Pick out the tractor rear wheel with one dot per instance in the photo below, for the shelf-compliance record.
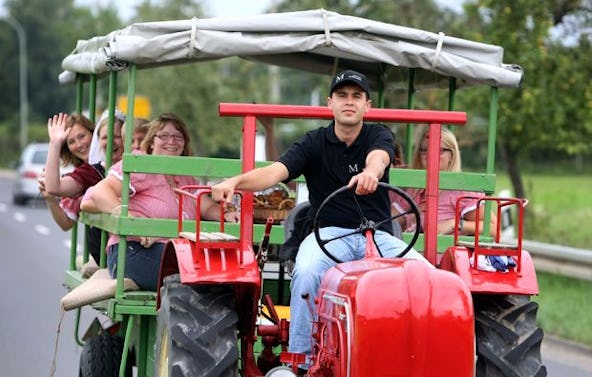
(101, 356)
(508, 339)
(196, 330)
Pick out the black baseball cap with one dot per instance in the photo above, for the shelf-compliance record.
(350, 76)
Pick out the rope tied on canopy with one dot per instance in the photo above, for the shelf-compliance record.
(194, 21)
(441, 36)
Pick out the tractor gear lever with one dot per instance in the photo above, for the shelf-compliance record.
(264, 245)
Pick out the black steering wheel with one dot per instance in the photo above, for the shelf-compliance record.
(365, 223)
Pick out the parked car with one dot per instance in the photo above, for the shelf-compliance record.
(28, 168)
(30, 165)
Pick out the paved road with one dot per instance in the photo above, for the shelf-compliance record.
(35, 255)
(566, 359)
(31, 275)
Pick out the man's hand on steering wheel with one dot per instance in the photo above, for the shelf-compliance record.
(365, 183)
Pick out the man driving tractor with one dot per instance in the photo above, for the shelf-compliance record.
(346, 152)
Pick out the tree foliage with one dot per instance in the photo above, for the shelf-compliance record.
(548, 111)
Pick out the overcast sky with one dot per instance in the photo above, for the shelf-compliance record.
(215, 8)
(219, 8)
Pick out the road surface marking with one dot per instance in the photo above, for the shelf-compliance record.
(20, 217)
(42, 229)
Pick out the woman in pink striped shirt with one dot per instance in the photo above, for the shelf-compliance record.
(151, 195)
(449, 161)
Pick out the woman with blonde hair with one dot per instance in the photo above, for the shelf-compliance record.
(449, 161)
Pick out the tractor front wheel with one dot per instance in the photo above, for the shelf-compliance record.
(101, 356)
(196, 330)
(508, 339)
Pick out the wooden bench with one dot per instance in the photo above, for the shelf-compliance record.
(487, 245)
(209, 236)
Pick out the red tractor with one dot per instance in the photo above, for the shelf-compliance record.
(373, 317)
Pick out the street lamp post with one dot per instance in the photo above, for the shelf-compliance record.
(22, 39)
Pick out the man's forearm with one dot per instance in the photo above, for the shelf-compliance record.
(261, 179)
(377, 162)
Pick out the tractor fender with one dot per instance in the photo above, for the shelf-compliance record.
(221, 268)
(457, 260)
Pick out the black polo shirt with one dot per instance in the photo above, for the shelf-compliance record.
(328, 164)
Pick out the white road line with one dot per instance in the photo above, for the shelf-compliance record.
(20, 217)
(42, 229)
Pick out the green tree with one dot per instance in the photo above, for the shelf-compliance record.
(52, 28)
(548, 111)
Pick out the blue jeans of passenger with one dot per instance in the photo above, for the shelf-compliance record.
(312, 263)
(142, 264)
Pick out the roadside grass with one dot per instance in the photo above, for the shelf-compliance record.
(559, 212)
(565, 305)
(559, 209)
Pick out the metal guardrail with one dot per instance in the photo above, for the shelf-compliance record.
(561, 260)
(556, 259)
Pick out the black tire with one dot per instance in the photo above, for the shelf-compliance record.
(197, 334)
(507, 336)
(101, 356)
(19, 200)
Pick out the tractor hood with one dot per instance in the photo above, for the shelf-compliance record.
(403, 314)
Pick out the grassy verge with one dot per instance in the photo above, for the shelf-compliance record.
(565, 305)
(559, 209)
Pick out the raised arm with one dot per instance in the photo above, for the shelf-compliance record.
(54, 184)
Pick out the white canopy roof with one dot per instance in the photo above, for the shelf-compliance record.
(317, 41)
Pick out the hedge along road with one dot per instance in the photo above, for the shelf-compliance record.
(31, 276)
